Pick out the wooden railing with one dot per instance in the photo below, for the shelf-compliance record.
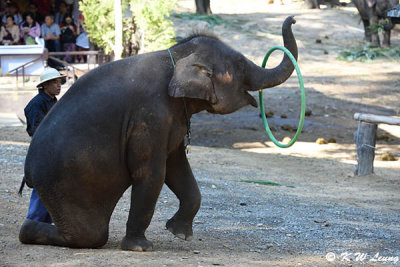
(94, 58)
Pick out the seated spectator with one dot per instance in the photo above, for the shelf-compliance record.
(51, 34)
(62, 12)
(43, 7)
(68, 35)
(82, 41)
(29, 29)
(12, 10)
(33, 9)
(9, 34)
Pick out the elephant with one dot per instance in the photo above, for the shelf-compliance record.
(123, 125)
(371, 11)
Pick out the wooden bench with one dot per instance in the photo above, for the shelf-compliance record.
(365, 139)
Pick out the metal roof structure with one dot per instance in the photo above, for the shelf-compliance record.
(394, 14)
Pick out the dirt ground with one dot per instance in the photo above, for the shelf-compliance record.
(318, 214)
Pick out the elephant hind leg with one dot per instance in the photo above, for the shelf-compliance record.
(34, 232)
(75, 227)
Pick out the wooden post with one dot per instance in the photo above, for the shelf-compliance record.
(365, 139)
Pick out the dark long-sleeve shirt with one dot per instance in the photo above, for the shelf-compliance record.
(37, 109)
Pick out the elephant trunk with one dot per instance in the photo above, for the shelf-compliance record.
(261, 78)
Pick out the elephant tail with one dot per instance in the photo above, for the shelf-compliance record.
(21, 188)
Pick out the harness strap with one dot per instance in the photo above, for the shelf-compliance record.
(188, 132)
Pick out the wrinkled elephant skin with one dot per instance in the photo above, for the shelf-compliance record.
(123, 124)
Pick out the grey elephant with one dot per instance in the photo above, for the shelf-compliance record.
(371, 12)
(123, 124)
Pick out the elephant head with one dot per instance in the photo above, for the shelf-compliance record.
(209, 70)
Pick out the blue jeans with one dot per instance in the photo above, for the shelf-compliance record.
(37, 211)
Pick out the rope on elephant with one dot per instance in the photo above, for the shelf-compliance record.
(302, 95)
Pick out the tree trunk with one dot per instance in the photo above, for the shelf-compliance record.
(203, 7)
(311, 4)
(118, 29)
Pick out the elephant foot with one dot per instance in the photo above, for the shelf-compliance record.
(28, 232)
(136, 244)
(180, 229)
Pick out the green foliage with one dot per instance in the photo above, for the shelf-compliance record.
(210, 19)
(99, 22)
(367, 54)
(149, 18)
(262, 182)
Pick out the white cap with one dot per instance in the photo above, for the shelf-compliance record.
(49, 74)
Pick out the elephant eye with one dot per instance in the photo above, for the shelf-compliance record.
(204, 70)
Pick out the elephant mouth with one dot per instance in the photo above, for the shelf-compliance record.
(251, 100)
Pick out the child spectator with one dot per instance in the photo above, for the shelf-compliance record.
(82, 41)
(29, 29)
(9, 34)
(12, 10)
(68, 35)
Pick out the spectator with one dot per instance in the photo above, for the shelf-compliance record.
(35, 111)
(51, 35)
(9, 34)
(62, 11)
(12, 10)
(68, 35)
(29, 29)
(82, 41)
(43, 7)
(33, 9)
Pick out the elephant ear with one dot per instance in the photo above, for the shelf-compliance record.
(371, 3)
(192, 79)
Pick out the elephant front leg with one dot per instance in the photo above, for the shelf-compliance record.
(374, 21)
(144, 196)
(367, 30)
(181, 181)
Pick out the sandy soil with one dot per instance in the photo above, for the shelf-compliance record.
(318, 206)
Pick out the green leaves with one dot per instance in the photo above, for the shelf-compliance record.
(150, 23)
(367, 54)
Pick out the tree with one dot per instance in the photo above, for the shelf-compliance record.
(311, 4)
(147, 29)
(118, 29)
(203, 7)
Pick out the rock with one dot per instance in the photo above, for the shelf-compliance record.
(288, 128)
(326, 52)
(388, 157)
(321, 141)
(318, 41)
(382, 137)
(332, 140)
(283, 116)
(269, 114)
(308, 112)
(196, 251)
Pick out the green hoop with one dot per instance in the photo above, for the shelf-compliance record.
(303, 99)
